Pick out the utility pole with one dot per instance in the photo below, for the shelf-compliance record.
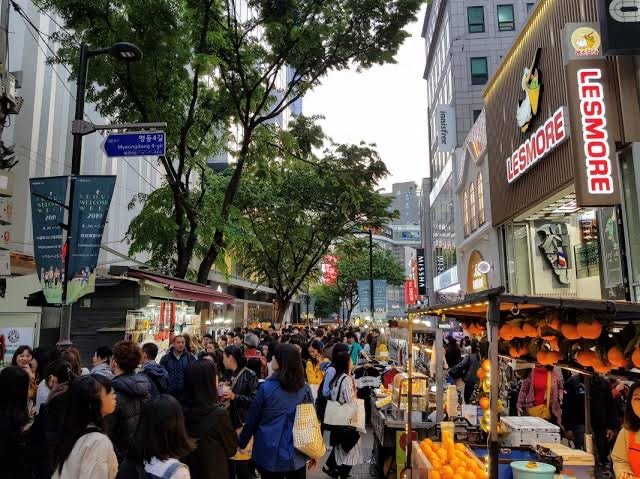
(9, 102)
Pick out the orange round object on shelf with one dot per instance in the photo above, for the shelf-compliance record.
(590, 330)
(530, 330)
(635, 358)
(615, 355)
(570, 331)
(485, 403)
(486, 365)
(433, 474)
(587, 358)
(481, 373)
(506, 332)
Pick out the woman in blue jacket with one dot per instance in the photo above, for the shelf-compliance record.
(271, 417)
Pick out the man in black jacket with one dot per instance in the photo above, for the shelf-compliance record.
(603, 415)
(132, 391)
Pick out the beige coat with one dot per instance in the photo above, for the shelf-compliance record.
(620, 453)
(92, 457)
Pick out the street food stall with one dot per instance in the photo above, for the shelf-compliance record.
(587, 336)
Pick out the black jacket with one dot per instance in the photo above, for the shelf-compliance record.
(216, 441)
(244, 388)
(132, 391)
(158, 378)
(15, 453)
(603, 413)
(45, 431)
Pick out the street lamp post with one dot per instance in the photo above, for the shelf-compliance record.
(122, 51)
(371, 269)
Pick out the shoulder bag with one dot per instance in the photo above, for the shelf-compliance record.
(307, 436)
(542, 411)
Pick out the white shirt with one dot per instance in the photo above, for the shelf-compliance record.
(92, 457)
(42, 394)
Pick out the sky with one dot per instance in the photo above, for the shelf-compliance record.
(385, 105)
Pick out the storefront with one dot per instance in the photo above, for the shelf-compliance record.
(477, 239)
(559, 136)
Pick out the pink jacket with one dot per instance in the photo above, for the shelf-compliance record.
(526, 398)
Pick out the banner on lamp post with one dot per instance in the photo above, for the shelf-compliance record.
(91, 200)
(48, 197)
(410, 292)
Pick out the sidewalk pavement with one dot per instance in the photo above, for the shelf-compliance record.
(361, 471)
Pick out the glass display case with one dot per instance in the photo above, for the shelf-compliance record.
(419, 391)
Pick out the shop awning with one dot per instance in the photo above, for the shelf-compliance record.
(180, 288)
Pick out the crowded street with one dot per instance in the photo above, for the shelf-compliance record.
(309, 239)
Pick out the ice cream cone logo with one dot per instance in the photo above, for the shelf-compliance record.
(531, 85)
(586, 41)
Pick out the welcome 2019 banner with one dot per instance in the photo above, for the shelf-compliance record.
(48, 197)
(90, 206)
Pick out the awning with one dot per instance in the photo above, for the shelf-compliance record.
(180, 288)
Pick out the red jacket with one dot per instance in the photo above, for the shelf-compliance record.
(254, 353)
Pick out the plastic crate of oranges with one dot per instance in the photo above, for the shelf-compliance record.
(448, 460)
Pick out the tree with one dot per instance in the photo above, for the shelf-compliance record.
(299, 204)
(328, 301)
(353, 266)
(210, 64)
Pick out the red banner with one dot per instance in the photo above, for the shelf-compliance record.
(410, 292)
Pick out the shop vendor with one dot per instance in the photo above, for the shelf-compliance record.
(626, 452)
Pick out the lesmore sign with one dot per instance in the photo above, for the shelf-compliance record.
(592, 125)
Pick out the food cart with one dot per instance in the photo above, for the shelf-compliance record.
(589, 336)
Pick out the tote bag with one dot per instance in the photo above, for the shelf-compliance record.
(346, 414)
(307, 436)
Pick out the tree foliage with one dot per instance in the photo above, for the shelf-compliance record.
(353, 266)
(298, 205)
(212, 67)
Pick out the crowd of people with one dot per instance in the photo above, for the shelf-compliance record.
(207, 409)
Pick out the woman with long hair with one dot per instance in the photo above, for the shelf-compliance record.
(626, 451)
(15, 455)
(43, 356)
(238, 395)
(345, 441)
(208, 423)
(159, 442)
(272, 415)
(315, 365)
(23, 358)
(84, 450)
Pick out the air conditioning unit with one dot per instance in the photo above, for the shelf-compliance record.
(8, 91)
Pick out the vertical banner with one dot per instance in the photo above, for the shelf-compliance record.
(410, 293)
(446, 128)
(364, 298)
(91, 200)
(48, 197)
(421, 267)
(380, 299)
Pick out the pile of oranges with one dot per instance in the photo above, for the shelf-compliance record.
(451, 461)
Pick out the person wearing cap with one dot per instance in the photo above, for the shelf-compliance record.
(255, 360)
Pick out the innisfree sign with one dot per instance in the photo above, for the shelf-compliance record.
(136, 143)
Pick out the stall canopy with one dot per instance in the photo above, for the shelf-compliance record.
(179, 288)
(496, 307)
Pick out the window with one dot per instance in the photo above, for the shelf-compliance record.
(472, 206)
(479, 71)
(465, 212)
(475, 16)
(506, 20)
(480, 190)
(476, 114)
(530, 6)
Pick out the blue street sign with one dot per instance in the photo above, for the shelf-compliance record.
(139, 143)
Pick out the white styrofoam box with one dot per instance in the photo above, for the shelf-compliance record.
(527, 431)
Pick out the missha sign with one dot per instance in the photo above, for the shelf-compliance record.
(551, 134)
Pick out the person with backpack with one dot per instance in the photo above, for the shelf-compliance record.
(84, 450)
(158, 444)
(157, 375)
(208, 423)
(133, 391)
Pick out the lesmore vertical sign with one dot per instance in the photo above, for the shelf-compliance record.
(593, 110)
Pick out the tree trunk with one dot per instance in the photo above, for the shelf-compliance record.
(280, 307)
(229, 196)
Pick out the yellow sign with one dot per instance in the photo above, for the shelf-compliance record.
(586, 41)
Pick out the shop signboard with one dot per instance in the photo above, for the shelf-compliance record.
(48, 199)
(410, 292)
(620, 24)
(594, 125)
(446, 126)
(364, 298)
(477, 279)
(330, 269)
(422, 271)
(91, 200)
